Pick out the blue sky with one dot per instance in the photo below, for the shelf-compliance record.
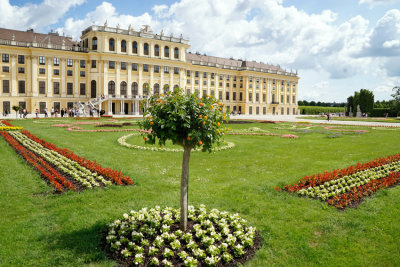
(337, 46)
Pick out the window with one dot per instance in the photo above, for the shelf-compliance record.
(123, 65)
(145, 68)
(294, 90)
(134, 47)
(94, 43)
(6, 86)
(188, 92)
(70, 88)
(273, 81)
(257, 80)
(188, 81)
(123, 46)
(56, 88)
(156, 51)
(220, 95)
(42, 71)
(234, 85)
(257, 110)
(251, 78)
(294, 100)
(82, 89)
(212, 92)
(156, 89)
(264, 97)
(111, 64)
(234, 78)
(264, 111)
(221, 77)
(156, 68)
(83, 63)
(146, 49)
(205, 75)
(240, 96)
(42, 87)
(176, 53)
(134, 89)
(82, 73)
(42, 60)
(257, 97)
(111, 45)
(6, 69)
(56, 72)
(265, 80)
(281, 98)
(227, 77)
(111, 88)
(196, 82)
(282, 111)
(5, 58)
(212, 76)
(166, 88)
(204, 82)
(93, 64)
(294, 111)
(166, 69)
(212, 83)
(273, 88)
(287, 99)
(176, 70)
(56, 61)
(273, 100)
(196, 74)
(250, 96)
(204, 93)
(283, 82)
(250, 110)
(188, 73)
(21, 59)
(234, 96)
(6, 106)
(264, 87)
(166, 51)
(69, 72)
(21, 70)
(21, 87)
(250, 86)
(134, 66)
(22, 104)
(146, 89)
(69, 62)
(227, 95)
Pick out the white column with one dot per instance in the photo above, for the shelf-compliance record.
(129, 86)
(151, 77)
(50, 74)
(118, 79)
(28, 89)
(105, 79)
(76, 78)
(13, 82)
(63, 70)
(140, 84)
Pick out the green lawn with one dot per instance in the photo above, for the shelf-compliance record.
(395, 120)
(39, 228)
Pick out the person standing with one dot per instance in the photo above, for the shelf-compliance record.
(45, 113)
(37, 113)
(62, 112)
(52, 111)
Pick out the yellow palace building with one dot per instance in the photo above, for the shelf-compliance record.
(114, 69)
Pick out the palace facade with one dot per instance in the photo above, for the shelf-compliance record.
(117, 68)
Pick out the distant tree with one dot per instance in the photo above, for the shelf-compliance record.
(396, 96)
(16, 109)
(350, 103)
(312, 103)
(366, 101)
(300, 103)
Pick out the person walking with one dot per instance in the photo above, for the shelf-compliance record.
(52, 111)
(37, 113)
(62, 112)
(45, 113)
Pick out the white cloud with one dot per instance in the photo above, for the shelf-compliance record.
(374, 3)
(391, 44)
(37, 16)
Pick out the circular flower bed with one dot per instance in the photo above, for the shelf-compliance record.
(151, 237)
(122, 142)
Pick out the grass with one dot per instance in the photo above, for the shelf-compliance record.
(39, 228)
(368, 119)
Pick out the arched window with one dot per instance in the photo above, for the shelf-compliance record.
(156, 89)
(123, 46)
(94, 43)
(111, 44)
(134, 89)
(156, 51)
(123, 89)
(166, 51)
(176, 52)
(111, 88)
(145, 89)
(134, 47)
(166, 88)
(146, 49)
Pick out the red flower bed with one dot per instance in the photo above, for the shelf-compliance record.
(358, 193)
(7, 123)
(320, 178)
(58, 181)
(116, 176)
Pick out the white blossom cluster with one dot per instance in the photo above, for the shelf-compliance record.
(152, 237)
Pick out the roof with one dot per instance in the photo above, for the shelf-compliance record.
(33, 37)
(236, 63)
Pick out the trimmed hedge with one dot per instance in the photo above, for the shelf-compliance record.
(315, 110)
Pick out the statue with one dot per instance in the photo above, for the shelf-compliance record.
(105, 23)
(358, 111)
(351, 112)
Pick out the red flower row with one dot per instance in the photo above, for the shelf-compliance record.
(116, 176)
(320, 178)
(57, 180)
(7, 123)
(356, 194)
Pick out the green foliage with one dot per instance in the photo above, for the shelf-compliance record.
(16, 108)
(185, 120)
(314, 110)
(364, 98)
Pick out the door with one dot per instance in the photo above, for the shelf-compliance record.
(113, 108)
(126, 108)
(93, 90)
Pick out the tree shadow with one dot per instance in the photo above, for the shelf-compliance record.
(84, 245)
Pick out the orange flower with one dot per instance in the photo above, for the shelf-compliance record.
(207, 95)
(219, 132)
(201, 104)
(144, 138)
(200, 143)
(218, 124)
(159, 100)
(204, 123)
(200, 116)
(188, 138)
(219, 103)
(205, 117)
(151, 123)
(162, 94)
(149, 117)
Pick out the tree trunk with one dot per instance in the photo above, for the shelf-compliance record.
(184, 186)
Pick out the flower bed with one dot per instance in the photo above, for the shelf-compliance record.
(60, 167)
(346, 187)
(151, 237)
(122, 142)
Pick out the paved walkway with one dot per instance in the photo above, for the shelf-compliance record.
(288, 118)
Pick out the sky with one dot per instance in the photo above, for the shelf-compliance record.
(336, 46)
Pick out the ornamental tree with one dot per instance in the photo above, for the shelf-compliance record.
(16, 109)
(188, 121)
